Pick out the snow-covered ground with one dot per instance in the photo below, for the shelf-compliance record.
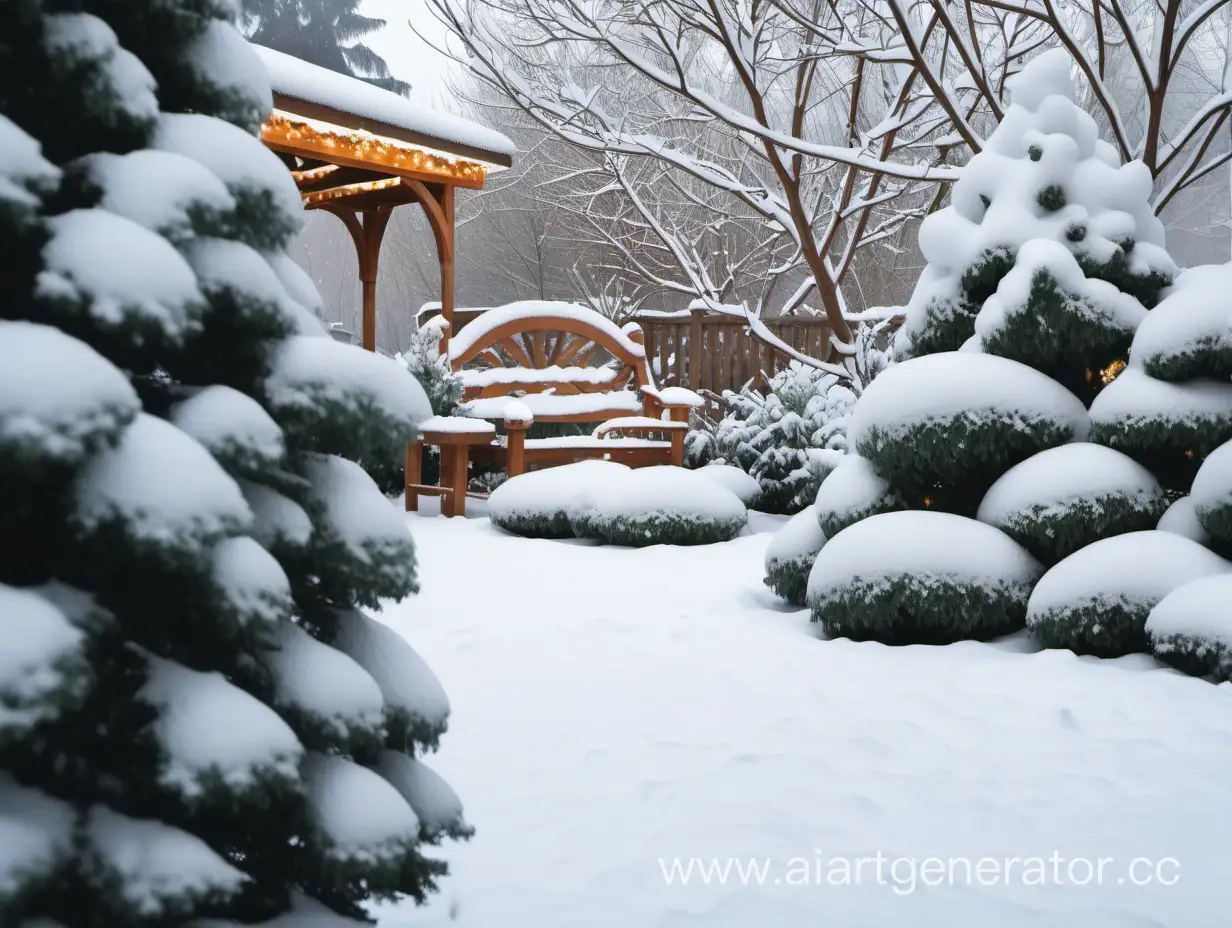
(617, 709)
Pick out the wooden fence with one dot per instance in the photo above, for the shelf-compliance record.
(728, 356)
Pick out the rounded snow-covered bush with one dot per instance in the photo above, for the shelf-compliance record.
(537, 504)
(1169, 427)
(1181, 518)
(733, 478)
(661, 505)
(790, 556)
(853, 491)
(960, 419)
(1096, 601)
(1191, 628)
(1212, 494)
(1062, 499)
(1189, 334)
(921, 578)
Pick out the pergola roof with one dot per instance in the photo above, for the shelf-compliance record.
(319, 95)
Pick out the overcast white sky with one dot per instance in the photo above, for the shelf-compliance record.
(410, 59)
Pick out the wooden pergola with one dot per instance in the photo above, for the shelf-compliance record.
(359, 152)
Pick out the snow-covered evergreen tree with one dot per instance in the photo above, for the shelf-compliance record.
(1040, 272)
(196, 719)
(788, 438)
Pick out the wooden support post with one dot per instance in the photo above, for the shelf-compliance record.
(437, 201)
(695, 349)
(367, 234)
(677, 437)
(454, 475)
(413, 474)
(515, 450)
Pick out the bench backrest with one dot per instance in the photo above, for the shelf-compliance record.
(539, 347)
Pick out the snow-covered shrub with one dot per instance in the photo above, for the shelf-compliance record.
(1182, 519)
(538, 504)
(958, 420)
(853, 491)
(1062, 499)
(733, 478)
(790, 556)
(424, 361)
(1043, 176)
(1097, 600)
(1212, 496)
(660, 505)
(921, 578)
(1191, 628)
(195, 723)
(788, 439)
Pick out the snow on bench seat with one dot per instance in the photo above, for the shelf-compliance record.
(639, 422)
(554, 374)
(475, 330)
(457, 425)
(588, 441)
(547, 405)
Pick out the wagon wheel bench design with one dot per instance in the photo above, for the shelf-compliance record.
(541, 362)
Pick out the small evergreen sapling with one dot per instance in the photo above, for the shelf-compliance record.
(199, 722)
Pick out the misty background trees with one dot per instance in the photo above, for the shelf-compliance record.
(774, 153)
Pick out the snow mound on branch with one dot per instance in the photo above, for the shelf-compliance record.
(212, 730)
(408, 685)
(155, 867)
(1137, 568)
(82, 37)
(299, 287)
(223, 57)
(853, 491)
(59, 398)
(233, 426)
(357, 812)
(734, 479)
(952, 383)
(305, 912)
(277, 520)
(158, 190)
(1199, 609)
(1212, 485)
(1135, 400)
(918, 542)
(36, 834)
(799, 538)
(1090, 297)
(323, 683)
(1060, 475)
(162, 486)
(539, 503)
(42, 659)
(1194, 319)
(307, 371)
(119, 273)
(24, 169)
(354, 508)
(238, 159)
(434, 802)
(1181, 518)
(230, 424)
(251, 582)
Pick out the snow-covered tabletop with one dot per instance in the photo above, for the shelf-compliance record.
(457, 425)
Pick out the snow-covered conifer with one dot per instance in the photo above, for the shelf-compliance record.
(197, 721)
(1041, 271)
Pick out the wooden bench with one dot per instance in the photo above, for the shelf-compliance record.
(540, 362)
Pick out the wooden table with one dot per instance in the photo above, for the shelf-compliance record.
(454, 436)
